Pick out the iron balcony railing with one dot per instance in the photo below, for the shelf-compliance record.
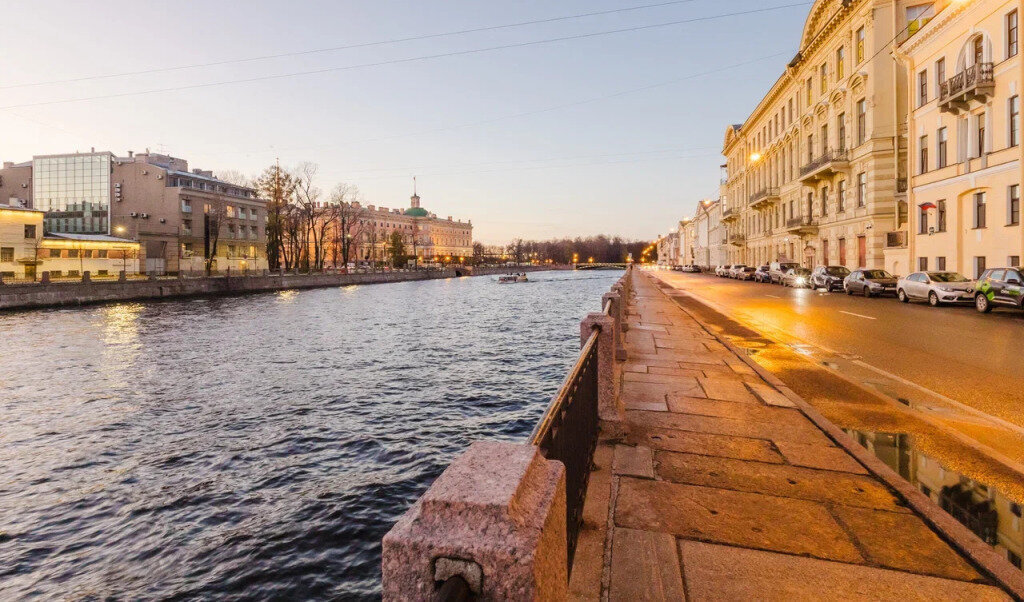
(895, 239)
(800, 220)
(568, 433)
(764, 194)
(976, 78)
(827, 157)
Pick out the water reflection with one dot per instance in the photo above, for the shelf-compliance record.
(983, 509)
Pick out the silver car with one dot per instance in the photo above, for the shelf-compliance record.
(936, 288)
(735, 270)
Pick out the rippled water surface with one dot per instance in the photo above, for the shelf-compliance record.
(259, 446)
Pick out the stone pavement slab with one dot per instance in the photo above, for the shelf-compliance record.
(645, 566)
(741, 448)
(716, 572)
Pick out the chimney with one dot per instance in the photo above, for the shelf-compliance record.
(131, 154)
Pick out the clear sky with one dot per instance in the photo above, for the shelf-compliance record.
(615, 134)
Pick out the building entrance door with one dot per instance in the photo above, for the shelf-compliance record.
(862, 251)
(30, 272)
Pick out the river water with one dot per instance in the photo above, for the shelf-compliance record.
(258, 447)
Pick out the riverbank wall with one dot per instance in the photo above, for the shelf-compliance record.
(57, 294)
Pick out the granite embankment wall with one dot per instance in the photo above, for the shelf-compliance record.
(25, 296)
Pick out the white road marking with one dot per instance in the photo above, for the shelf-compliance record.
(773, 296)
(850, 313)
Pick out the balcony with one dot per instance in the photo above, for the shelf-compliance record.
(730, 214)
(973, 83)
(736, 239)
(764, 197)
(825, 165)
(186, 208)
(895, 240)
(803, 224)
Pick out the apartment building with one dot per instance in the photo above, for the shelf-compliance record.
(965, 138)
(175, 214)
(817, 172)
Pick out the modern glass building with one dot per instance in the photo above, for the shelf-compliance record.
(74, 191)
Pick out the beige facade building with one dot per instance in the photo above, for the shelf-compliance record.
(152, 198)
(816, 172)
(25, 253)
(965, 137)
(425, 235)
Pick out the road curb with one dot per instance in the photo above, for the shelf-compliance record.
(981, 555)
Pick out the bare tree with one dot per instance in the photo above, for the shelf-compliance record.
(213, 218)
(319, 216)
(351, 217)
(293, 236)
(236, 177)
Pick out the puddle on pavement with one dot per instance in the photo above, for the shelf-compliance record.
(983, 509)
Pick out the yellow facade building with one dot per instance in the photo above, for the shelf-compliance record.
(965, 150)
(814, 174)
(26, 253)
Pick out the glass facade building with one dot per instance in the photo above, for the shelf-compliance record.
(74, 191)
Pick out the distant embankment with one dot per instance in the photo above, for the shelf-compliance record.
(52, 294)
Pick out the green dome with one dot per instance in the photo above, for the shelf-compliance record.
(416, 212)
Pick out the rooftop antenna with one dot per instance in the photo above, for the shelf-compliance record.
(414, 186)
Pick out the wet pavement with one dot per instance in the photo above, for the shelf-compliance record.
(725, 489)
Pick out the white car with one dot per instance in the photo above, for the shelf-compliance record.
(936, 288)
(735, 270)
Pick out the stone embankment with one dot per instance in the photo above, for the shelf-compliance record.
(52, 294)
(710, 480)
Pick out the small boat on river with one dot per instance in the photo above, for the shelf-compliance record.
(512, 278)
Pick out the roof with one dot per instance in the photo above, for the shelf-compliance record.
(416, 212)
(196, 176)
(88, 237)
(13, 208)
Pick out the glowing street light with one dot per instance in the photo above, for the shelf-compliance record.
(755, 157)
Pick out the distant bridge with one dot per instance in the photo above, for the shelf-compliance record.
(600, 266)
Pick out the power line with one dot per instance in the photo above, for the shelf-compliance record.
(406, 60)
(266, 57)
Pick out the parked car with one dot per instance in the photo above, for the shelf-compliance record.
(735, 270)
(870, 283)
(778, 269)
(999, 286)
(935, 287)
(829, 277)
(720, 271)
(746, 273)
(761, 275)
(797, 278)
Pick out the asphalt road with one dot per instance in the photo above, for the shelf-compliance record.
(972, 358)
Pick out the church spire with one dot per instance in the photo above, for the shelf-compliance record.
(415, 198)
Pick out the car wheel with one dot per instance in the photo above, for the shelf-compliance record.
(933, 299)
(867, 292)
(902, 296)
(982, 304)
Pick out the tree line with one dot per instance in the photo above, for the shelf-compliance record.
(600, 249)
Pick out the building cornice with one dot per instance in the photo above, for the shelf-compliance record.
(935, 26)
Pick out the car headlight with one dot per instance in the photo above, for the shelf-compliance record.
(801, 280)
(946, 289)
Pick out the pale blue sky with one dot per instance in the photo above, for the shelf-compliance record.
(628, 164)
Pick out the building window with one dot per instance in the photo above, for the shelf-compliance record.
(940, 216)
(841, 131)
(841, 195)
(54, 253)
(860, 45)
(922, 264)
(940, 76)
(73, 253)
(862, 189)
(1014, 110)
(810, 92)
(840, 63)
(824, 200)
(942, 140)
(823, 76)
(1013, 205)
(979, 210)
(7, 254)
(101, 254)
(923, 165)
(1014, 261)
(30, 231)
(862, 121)
(810, 148)
(979, 267)
(981, 134)
(940, 264)
(922, 88)
(1011, 43)
(922, 220)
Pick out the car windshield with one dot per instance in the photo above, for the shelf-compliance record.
(801, 272)
(837, 271)
(947, 277)
(877, 274)
(787, 266)
(749, 270)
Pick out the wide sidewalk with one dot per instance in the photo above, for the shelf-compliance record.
(724, 490)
